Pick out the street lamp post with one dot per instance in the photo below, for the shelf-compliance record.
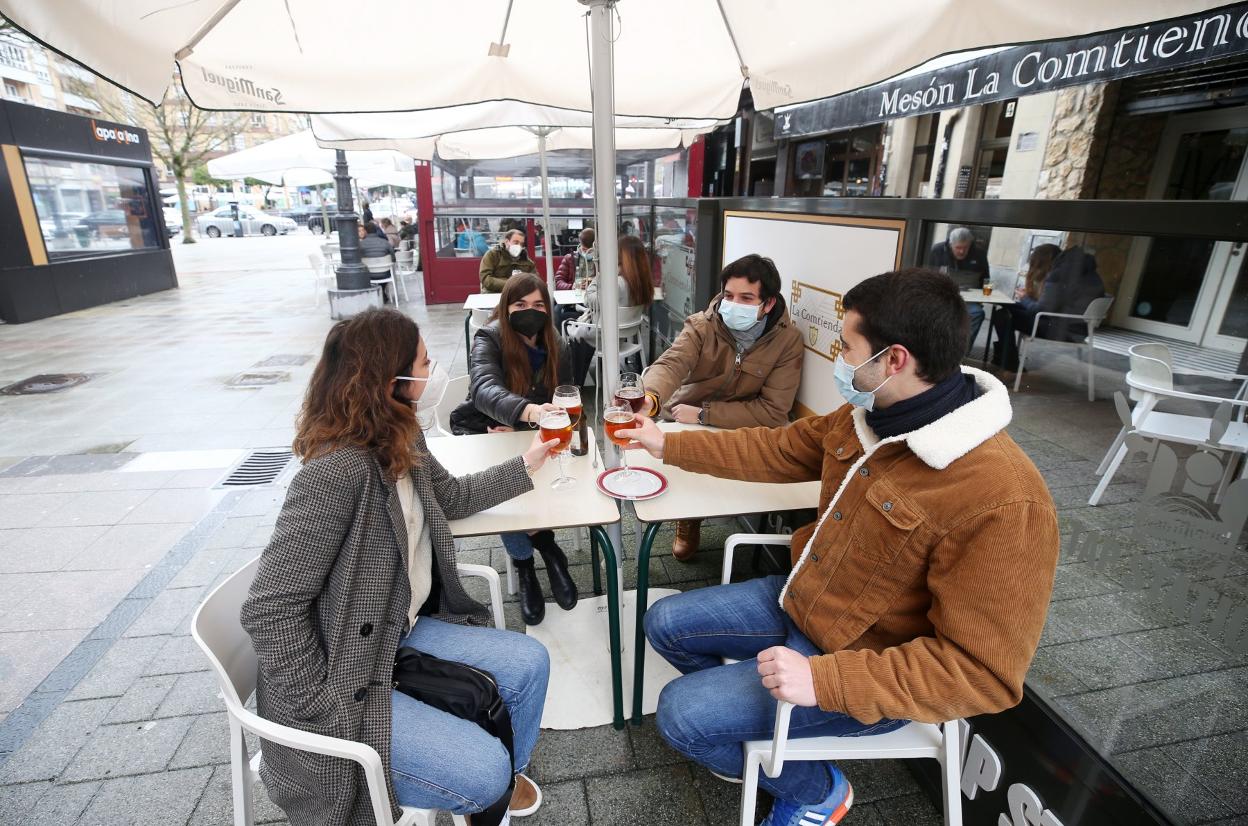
(351, 273)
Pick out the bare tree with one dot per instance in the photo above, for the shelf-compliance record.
(181, 135)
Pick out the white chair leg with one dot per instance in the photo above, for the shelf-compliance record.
(1108, 476)
(950, 773)
(241, 778)
(1091, 370)
(398, 279)
(749, 788)
(1022, 361)
(512, 586)
(1109, 454)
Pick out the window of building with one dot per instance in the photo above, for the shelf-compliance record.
(15, 90)
(994, 146)
(239, 142)
(91, 207)
(843, 164)
(926, 138)
(258, 120)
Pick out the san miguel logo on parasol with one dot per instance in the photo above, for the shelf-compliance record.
(114, 134)
(242, 86)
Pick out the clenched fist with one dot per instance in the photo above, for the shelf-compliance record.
(787, 675)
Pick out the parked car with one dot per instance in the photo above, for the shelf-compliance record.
(221, 222)
(173, 220)
(105, 223)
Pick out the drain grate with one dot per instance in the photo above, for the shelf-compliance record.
(258, 378)
(45, 383)
(260, 467)
(283, 360)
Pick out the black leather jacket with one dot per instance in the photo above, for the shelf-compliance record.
(490, 402)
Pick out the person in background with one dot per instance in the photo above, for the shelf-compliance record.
(391, 232)
(921, 591)
(361, 563)
(505, 260)
(373, 244)
(966, 262)
(578, 265)
(1019, 316)
(514, 367)
(636, 292)
(366, 214)
(738, 364)
(407, 229)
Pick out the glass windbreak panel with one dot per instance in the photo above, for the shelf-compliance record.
(1146, 639)
(1206, 165)
(675, 234)
(1235, 319)
(90, 207)
(469, 232)
(1171, 280)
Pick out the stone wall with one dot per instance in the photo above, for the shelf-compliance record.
(1078, 135)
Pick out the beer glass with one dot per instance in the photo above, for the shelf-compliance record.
(568, 396)
(556, 424)
(629, 391)
(615, 418)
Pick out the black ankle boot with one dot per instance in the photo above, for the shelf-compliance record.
(562, 588)
(532, 600)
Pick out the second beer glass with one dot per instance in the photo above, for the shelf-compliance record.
(556, 424)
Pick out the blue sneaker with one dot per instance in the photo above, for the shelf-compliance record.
(831, 810)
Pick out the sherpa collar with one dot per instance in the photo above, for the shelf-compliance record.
(957, 433)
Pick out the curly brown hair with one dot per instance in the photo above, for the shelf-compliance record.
(350, 403)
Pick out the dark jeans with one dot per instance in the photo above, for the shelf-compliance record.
(709, 712)
(1010, 322)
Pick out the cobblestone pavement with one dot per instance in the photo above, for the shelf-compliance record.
(112, 531)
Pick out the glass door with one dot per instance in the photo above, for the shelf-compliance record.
(1189, 289)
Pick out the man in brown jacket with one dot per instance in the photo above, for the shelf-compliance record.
(921, 591)
(738, 364)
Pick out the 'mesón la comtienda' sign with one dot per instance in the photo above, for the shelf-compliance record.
(1029, 69)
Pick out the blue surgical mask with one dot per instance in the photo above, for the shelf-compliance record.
(739, 317)
(843, 376)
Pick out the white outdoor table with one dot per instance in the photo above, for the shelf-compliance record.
(488, 301)
(543, 509)
(997, 299)
(698, 496)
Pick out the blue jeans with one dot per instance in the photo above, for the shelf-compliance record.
(439, 761)
(976, 312)
(710, 711)
(518, 546)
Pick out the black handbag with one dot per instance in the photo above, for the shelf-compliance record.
(466, 692)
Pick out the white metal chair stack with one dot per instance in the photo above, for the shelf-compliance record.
(913, 740)
(219, 633)
(632, 321)
(1092, 317)
(321, 271)
(384, 266)
(1150, 382)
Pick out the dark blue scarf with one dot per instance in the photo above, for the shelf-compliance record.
(925, 408)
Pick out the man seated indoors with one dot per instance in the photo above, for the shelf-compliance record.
(920, 592)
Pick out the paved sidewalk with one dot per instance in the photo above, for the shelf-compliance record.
(111, 532)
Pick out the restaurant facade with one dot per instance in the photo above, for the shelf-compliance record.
(80, 218)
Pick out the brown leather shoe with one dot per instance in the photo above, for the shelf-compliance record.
(688, 535)
(525, 798)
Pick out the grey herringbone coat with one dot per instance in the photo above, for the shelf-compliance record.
(329, 606)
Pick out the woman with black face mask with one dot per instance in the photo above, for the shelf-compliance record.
(515, 365)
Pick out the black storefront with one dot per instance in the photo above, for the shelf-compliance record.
(80, 218)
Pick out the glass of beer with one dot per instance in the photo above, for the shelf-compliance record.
(615, 418)
(629, 391)
(568, 396)
(556, 424)
(987, 286)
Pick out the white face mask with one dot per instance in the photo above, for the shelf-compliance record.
(434, 387)
(515, 250)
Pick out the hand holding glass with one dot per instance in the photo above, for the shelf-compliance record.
(556, 424)
(615, 418)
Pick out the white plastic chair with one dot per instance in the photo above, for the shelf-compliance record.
(218, 631)
(405, 260)
(632, 337)
(1092, 317)
(476, 320)
(322, 271)
(1150, 382)
(456, 392)
(913, 740)
(383, 265)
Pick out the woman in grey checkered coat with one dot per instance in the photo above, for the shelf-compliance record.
(361, 562)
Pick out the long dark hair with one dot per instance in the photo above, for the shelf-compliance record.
(515, 351)
(635, 270)
(349, 401)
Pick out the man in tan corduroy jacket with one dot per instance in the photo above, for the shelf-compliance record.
(921, 591)
(737, 364)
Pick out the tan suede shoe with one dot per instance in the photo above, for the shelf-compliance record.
(688, 535)
(526, 798)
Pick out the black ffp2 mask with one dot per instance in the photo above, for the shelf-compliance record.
(528, 322)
